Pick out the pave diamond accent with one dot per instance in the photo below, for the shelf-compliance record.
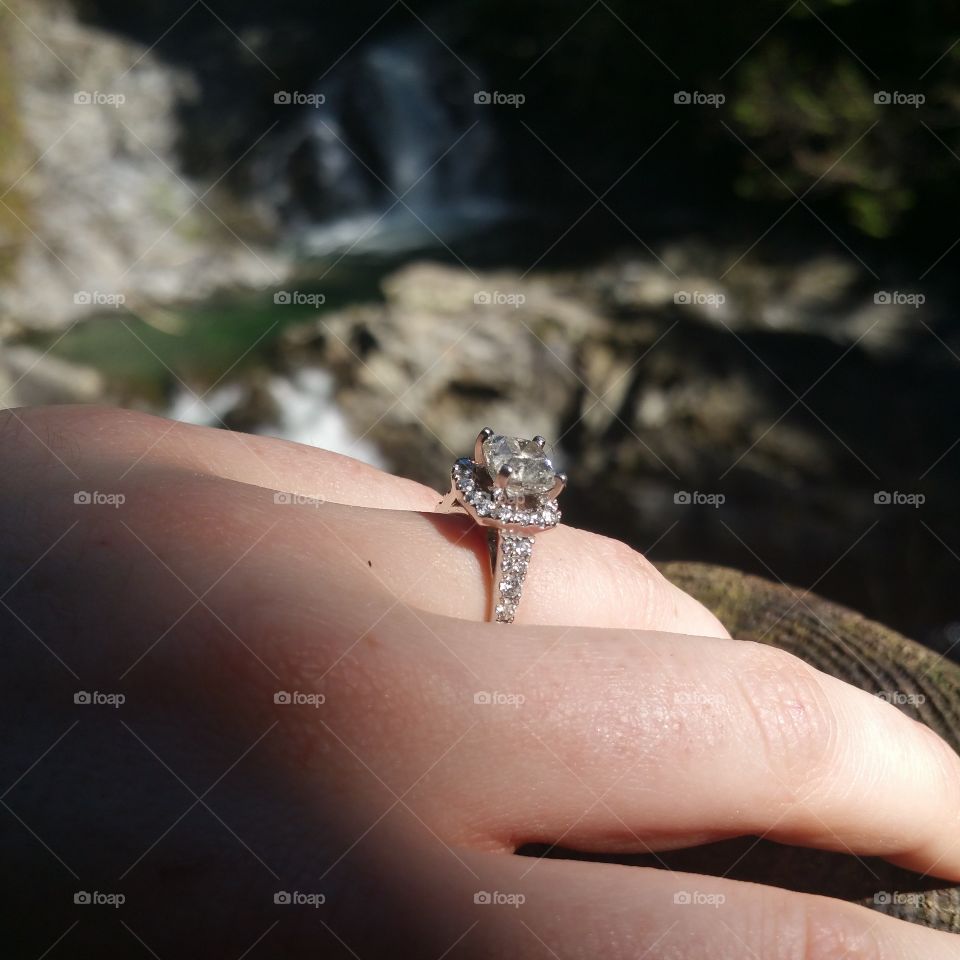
(473, 485)
(513, 558)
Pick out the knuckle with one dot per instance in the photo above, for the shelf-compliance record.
(946, 773)
(792, 713)
(813, 928)
(841, 935)
(617, 554)
(629, 571)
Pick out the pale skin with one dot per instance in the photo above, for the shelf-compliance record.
(624, 719)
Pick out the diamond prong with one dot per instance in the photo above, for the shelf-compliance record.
(485, 434)
(503, 477)
(541, 442)
(557, 487)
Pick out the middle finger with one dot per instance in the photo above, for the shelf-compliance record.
(626, 741)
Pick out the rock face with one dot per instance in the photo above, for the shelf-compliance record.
(783, 453)
(104, 216)
(423, 374)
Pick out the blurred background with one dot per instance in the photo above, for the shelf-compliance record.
(709, 250)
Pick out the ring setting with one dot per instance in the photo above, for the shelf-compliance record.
(509, 487)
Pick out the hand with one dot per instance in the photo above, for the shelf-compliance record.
(418, 746)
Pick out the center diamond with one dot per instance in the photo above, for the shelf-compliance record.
(532, 471)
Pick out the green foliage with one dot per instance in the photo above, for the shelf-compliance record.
(800, 112)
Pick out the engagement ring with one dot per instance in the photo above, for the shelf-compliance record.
(511, 487)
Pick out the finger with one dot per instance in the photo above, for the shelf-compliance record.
(633, 741)
(120, 442)
(436, 563)
(513, 906)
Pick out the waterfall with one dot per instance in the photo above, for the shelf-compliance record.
(395, 119)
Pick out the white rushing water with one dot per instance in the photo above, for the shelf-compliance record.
(306, 413)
